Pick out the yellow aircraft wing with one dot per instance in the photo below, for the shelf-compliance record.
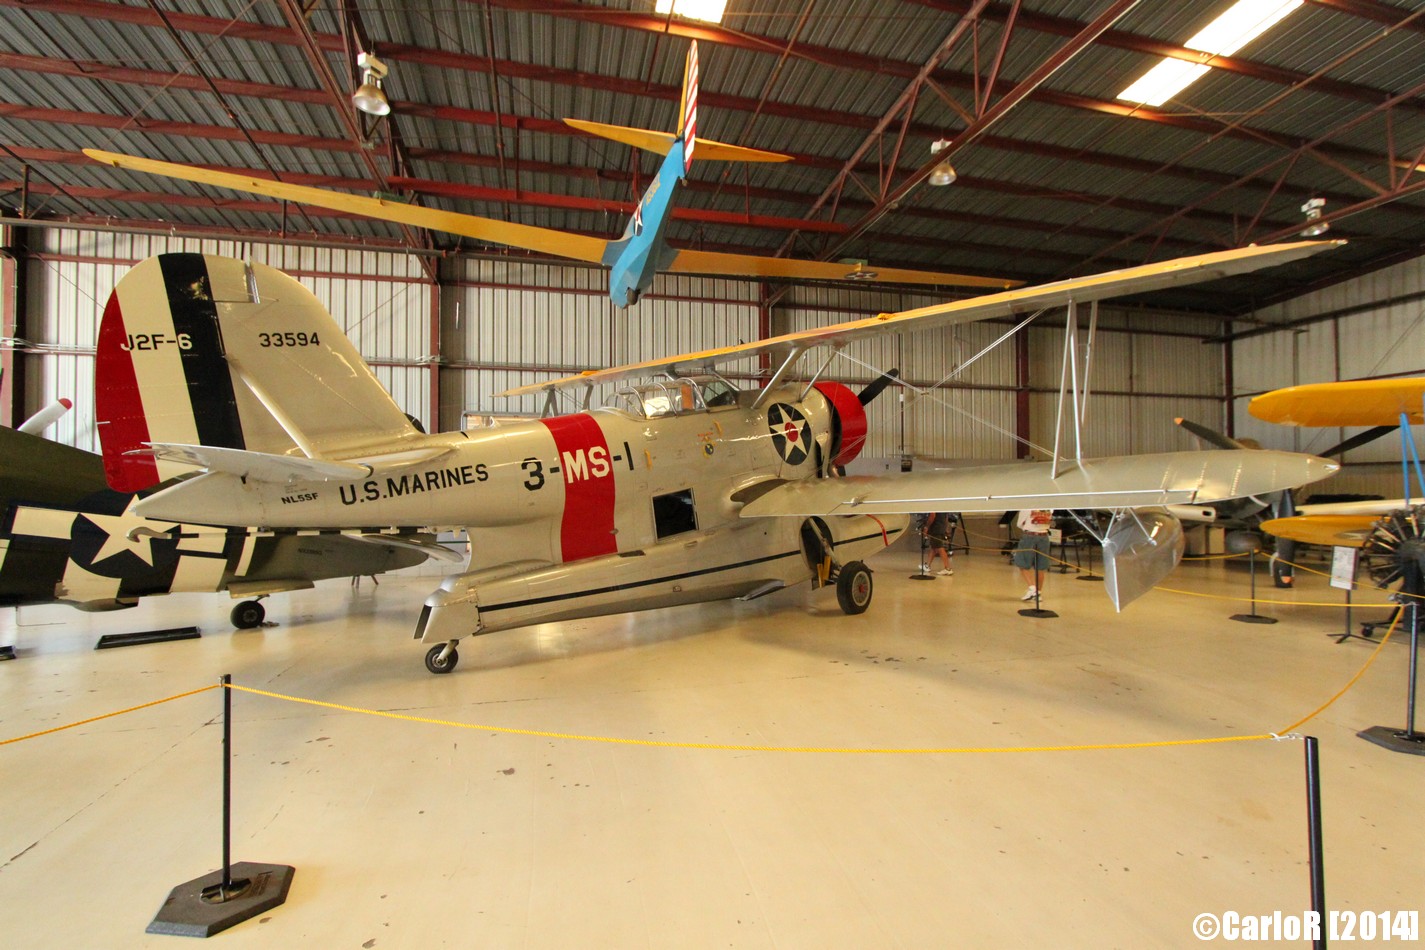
(1358, 402)
(1329, 530)
(749, 265)
(544, 240)
(1132, 280)
(577, 247)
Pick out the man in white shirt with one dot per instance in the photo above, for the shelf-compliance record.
(1031, 554)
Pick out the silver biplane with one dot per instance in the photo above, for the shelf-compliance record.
(682, 489)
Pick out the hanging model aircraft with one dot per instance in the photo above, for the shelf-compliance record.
(635, 258)
(66, 536)
(682, 490)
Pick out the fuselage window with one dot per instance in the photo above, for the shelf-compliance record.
(673, 513)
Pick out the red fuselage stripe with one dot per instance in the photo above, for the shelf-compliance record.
(119, 407)
(585, 464)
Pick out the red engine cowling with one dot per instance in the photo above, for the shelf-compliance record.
(848, 433)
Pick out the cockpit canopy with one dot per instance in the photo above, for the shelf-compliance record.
(672, 397)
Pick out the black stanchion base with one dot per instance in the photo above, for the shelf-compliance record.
(110, 640)
(186, 912)
(1037, 612)
(1089, 577)
(1252, 618)
(1396, 740)
(7, 653)
(922, 577)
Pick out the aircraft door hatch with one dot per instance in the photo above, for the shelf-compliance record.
(819, 551)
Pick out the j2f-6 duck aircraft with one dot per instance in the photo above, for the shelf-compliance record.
(66, 536)
(634, 258)
(682, 490)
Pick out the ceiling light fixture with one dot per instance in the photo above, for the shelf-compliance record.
(1243, 22)
(944, 173)
(1315, 227)
(709, 11)
(368, 96)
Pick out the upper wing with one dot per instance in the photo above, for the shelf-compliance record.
(1183, 270)
(1133, 481)
(750, 265)
(1355, 402)
(544, 240)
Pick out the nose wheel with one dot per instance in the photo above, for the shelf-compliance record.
(442, 658)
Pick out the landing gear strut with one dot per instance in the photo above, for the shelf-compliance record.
(853, 588)
(442, 657)
(248, 614)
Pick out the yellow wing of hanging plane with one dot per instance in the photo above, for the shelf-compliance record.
(1349, 531)
(548, 240)
(545, 240)
(659, 142)
(1357, 402)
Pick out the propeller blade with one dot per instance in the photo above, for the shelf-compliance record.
(1358, 440)
(46, 417)
(1210, 436)
(878, 386)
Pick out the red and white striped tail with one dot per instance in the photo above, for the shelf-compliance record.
(688, 122)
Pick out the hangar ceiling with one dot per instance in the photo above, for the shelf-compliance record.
(1056, 177)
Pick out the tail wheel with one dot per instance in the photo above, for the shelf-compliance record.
(438, 664)
(853, 588)
(248, 614)
(1395, 551)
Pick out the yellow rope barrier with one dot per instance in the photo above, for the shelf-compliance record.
(735, 747)
(1349, 683)
(121, 712)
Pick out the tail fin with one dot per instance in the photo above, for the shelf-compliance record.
(661, 142)
(203, 350)
(688, 117)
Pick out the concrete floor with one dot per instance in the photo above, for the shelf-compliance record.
(417, 835)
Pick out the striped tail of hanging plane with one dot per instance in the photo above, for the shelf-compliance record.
(204, 354)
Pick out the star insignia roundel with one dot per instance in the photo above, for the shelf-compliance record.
(791, 433)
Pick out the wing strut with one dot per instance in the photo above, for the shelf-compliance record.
(1074, 385)
(781, 373)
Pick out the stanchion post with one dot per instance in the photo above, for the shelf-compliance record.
(1313, 823)
(214, 902)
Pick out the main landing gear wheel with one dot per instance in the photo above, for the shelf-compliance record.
(853, 588)
(438, 664)
(247, 615)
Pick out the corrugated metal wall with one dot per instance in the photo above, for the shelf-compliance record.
(1382, 333)
(382, 300)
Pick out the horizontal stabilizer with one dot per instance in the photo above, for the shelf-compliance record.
(1131, 481)
(258, 466)
(660, 142)
(262, 467)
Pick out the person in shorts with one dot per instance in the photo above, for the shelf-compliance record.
(937, 534)
(1031, 554)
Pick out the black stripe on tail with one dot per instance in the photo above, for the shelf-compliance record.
(210, 384)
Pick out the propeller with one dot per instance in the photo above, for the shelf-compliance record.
(1358, 440)
(1210, 436)
(878, 386)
